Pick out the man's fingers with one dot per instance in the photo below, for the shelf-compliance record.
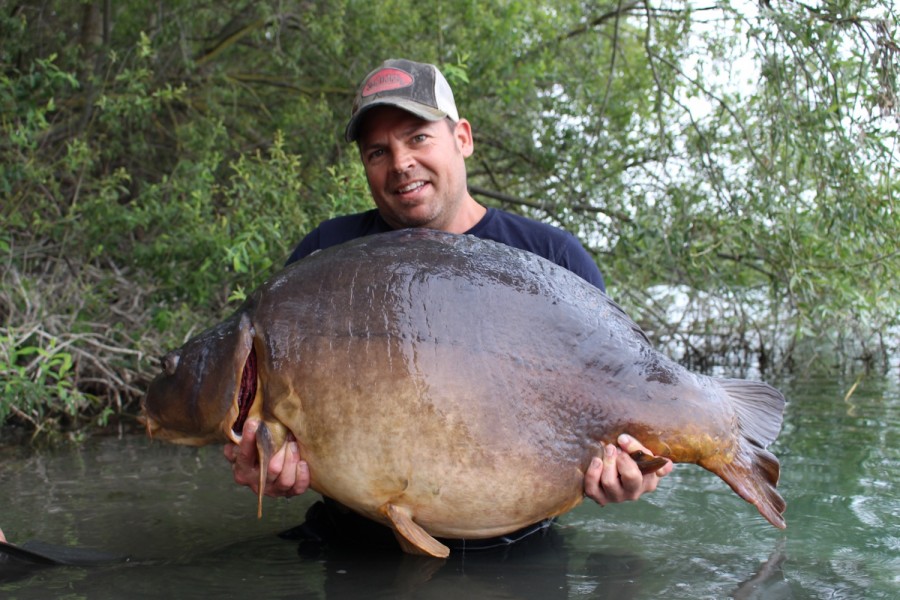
(246, 458)
(631, 445)
(609, 478)
(663, 471)
(621, 478)
(592, 481)
(630, 477)
(301, 483)
(286, 474)
(243, 457)
(289, 473)
(230, 451)
(276, 471)
(294, 479)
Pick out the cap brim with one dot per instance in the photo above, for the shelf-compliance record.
(429, 113)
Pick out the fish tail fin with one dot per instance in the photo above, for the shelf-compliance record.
(759, 409)
(753, 471)
(753, 476)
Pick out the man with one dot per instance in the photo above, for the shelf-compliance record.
(413, 146)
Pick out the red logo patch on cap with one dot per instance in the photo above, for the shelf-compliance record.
(385, 80)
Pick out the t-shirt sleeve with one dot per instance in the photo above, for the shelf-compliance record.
(554, 244)
(309, 244)
(337, 231)
(576, 259)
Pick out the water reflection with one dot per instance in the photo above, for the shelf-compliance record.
(533, 568)
(768, 582)
(540, 567)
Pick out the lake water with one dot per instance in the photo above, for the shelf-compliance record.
(189, 532)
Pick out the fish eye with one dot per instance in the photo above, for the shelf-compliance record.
(169, 363)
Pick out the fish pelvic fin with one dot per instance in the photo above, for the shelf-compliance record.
(753, 472)
(411, 537)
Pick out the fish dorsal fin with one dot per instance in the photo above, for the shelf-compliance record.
(412, 538)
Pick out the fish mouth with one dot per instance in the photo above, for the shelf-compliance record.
(151, 425)
(247, 392)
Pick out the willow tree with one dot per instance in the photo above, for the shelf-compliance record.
(739, 158)
(730, 165)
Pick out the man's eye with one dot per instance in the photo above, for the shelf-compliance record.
(376, 154)
(420, 137)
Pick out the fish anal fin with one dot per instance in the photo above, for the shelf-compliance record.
(648, 463)
(412, 538)
(265, 448)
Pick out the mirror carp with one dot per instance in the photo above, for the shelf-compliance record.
(448, 386)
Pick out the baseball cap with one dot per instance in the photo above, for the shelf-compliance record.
(418, 88)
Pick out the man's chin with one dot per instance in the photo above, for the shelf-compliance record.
(414, 218)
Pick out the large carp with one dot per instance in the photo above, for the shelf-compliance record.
(454, 387)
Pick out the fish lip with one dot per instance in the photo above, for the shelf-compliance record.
(150, 424)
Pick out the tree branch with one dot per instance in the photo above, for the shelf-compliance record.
(508, 199)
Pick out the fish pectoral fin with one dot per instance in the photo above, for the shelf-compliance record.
(412, 538)
(265, 448)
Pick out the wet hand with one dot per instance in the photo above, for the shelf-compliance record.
(616, 477)
(286, 474)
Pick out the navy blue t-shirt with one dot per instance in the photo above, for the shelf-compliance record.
(552, 243)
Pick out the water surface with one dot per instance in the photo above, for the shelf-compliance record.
(189, 532)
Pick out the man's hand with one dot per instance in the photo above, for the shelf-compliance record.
(287, 475)
(2, 537)
(616, 477)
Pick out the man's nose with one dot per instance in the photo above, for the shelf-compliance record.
(403, 159)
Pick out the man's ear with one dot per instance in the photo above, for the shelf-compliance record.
(462, 133)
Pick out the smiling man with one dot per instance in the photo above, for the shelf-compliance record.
(413, 146)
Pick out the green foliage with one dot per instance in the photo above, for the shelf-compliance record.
(36, 382)
(740, 156)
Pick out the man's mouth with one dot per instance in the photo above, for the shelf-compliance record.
(411, 187)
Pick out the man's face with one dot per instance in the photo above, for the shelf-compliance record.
(415, 168)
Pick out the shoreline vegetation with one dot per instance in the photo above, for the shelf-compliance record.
(732, 170)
